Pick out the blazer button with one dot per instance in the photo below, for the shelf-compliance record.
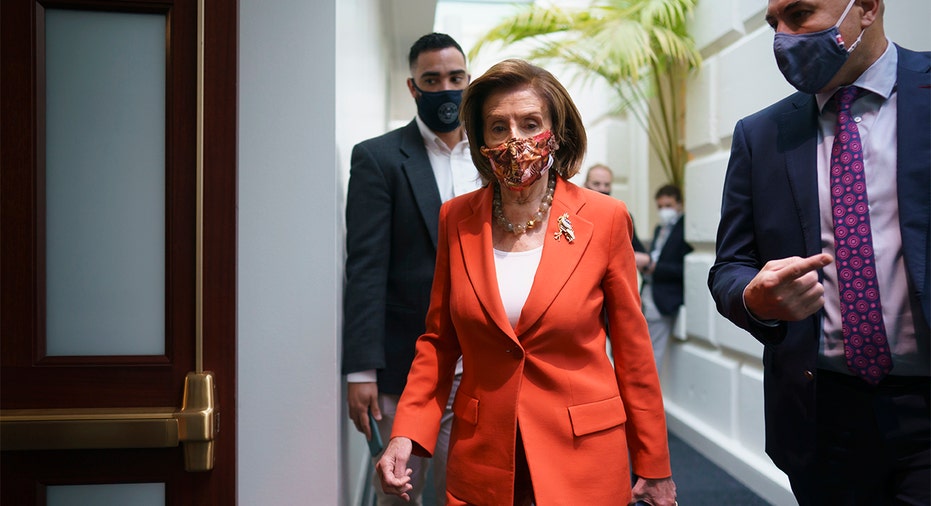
(808, 375)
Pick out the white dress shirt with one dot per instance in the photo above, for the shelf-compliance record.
(455, 173)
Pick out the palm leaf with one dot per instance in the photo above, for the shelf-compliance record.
(640, 48)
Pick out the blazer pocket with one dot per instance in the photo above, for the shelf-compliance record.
(466, 408)
(596, 416)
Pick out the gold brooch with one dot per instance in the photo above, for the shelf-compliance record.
(565, 228)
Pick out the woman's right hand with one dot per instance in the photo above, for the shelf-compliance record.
(392, 468)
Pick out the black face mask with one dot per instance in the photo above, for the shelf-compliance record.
(810, 60)
(439, 109)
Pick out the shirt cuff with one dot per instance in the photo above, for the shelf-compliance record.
(765, 323)
(370, 376)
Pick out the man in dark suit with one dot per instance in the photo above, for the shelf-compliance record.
(845, 427)
(662, 291)
(396, 185)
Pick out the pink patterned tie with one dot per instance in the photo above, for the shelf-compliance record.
(865, 344)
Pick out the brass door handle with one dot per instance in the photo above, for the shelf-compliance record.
(194, 426)
(197, 421)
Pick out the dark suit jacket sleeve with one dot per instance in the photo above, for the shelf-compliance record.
(635, 241)
(368, 241)
(668, 291)
(670, 266)
(737, 260)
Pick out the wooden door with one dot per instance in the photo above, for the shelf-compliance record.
(76, 418)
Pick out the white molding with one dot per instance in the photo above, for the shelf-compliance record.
(756, 472)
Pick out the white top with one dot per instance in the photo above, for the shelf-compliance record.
(515, 272)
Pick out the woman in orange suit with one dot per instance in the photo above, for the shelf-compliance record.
(525, 266)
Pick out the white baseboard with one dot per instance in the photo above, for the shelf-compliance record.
(755, 472)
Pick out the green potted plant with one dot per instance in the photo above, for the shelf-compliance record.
(641, 48)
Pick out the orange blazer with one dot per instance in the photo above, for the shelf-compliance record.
(578, 414)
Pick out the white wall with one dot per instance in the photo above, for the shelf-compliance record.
(363, 79)
(288, 392)
(713, 381)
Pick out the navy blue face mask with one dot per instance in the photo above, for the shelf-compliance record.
(439, 110)
(810, 60)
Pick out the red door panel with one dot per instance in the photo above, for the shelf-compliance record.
(30, 380)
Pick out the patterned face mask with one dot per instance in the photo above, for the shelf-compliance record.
(518, 163)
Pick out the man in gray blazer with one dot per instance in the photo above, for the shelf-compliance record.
(396, 185)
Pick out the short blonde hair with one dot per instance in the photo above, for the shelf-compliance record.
(512, 75)
(588, 176)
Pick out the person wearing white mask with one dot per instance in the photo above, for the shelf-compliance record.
(662, 291)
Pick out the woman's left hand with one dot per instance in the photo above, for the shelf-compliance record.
(660, 492)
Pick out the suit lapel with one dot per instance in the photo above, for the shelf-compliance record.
(559, 258)
(913, 172)
(420, 176)
(798, 140)
(674, 239)
(475, 239)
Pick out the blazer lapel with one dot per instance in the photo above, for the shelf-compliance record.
(420, 175)
(559, 258)
(475, 239)
(913, 173)
(798, 140)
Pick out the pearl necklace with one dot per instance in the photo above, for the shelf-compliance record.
(520, 228)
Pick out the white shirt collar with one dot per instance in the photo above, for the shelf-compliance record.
(430, 137)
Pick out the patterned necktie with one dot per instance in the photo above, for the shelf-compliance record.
(865, 345)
